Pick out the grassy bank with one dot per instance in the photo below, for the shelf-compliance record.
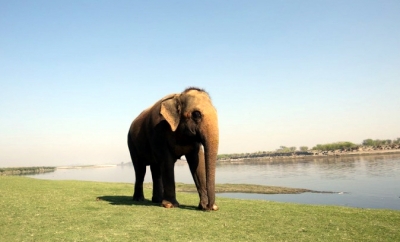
(44, 210)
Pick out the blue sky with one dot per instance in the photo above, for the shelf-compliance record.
(74, 74)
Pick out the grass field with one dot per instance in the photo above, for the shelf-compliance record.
(44, 210)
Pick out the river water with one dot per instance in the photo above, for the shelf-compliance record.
(358, 181)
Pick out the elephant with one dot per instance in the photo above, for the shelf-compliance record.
(183, 124)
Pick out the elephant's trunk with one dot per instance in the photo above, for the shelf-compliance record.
(210, 143)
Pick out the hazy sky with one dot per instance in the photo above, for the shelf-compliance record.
(74, 74)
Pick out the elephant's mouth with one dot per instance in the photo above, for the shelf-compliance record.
(190, 131)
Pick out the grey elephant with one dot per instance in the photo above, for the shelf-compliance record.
(183, 124)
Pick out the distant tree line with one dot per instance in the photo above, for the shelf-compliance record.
(243, 155)
(335, 146)
(25, 170)
(378, 142)
(284, 150)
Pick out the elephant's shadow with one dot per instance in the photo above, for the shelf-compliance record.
(127, 201)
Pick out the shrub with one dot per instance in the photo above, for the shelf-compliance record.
(335, 146)
(303, 148)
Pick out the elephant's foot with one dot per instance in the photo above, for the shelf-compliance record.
(168, 204)
(137, 198)
(214, 207)
(156, 200)
(206, 208)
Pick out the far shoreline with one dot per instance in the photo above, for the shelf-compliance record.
(311, 155)
(270, 157)
(84, 167)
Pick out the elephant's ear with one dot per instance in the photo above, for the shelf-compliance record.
(170, 110)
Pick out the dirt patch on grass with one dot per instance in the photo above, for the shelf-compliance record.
(243, 188)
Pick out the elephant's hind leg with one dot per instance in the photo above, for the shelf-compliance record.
(140, 172)
(158, 188)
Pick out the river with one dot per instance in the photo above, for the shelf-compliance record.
(358, 181)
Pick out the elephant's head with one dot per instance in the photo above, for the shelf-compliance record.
(192, 114)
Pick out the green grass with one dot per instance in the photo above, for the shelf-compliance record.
(44, 210)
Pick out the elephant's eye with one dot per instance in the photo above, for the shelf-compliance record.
(196, 115)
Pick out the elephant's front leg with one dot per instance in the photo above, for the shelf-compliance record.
(196, 163)
(168, 178)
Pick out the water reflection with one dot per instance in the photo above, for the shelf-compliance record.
(369, 181)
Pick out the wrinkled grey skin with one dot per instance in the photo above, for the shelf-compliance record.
(184, 124)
